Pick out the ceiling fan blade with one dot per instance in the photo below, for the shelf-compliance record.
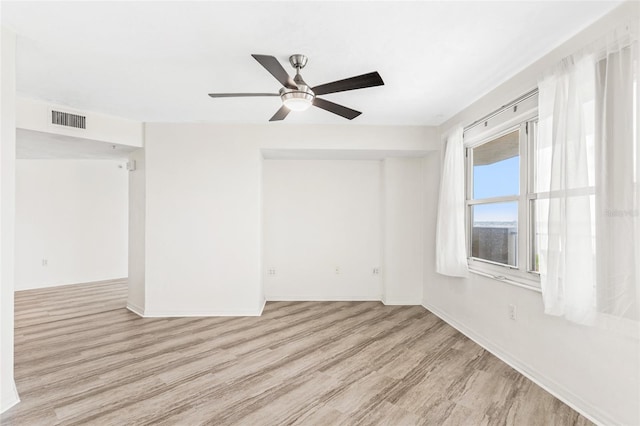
(360, 82)
(272, 65)
(280, 114)
(240, 95)
(343, 111)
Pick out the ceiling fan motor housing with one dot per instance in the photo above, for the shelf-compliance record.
(300, 99)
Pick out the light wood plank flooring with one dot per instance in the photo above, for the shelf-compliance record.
(82, 358)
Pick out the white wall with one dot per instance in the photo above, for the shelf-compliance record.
(404, 222)
(8, 393)
(320, 215)
(431, 189)
(202, 222)
(595, 370)
(137, 215)
(73, 213)
(203, 227)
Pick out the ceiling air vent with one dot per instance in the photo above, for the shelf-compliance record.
(70, 120)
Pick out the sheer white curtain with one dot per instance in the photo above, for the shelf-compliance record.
(618, 178)
(566, 124)
(587, 174)
(451, 252)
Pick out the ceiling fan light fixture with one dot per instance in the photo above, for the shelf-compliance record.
(297, 100)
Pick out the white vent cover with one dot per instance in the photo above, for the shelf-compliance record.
(69, 120)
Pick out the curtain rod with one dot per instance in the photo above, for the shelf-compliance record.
(502, 108)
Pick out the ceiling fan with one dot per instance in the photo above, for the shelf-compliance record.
(296, 95)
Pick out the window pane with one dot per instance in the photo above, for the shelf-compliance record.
(542, 159)
(495, 232)
(542, 156)
(496, 167)
(540, 220)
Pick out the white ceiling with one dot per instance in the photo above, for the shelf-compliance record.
(156, 61)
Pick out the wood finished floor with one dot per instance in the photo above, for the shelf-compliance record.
(82, 358)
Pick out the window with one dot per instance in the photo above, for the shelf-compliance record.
(501, 196)
(494, 206)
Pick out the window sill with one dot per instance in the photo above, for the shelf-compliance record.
(506, 280)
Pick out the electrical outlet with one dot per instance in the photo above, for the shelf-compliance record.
(512, 312)
(271, 272)
(337, 270)
(376, 271)
(45, 262)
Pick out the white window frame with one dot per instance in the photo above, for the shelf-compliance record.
(519, 116)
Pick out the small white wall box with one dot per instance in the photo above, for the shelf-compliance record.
(131, 165)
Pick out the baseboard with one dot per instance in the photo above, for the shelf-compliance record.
(290, 298)
(401, 302)
(171, 314)
(66, 284)
(8, 401)
(162, 314)
(261, 310)
(589, 411)
(135, 309)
